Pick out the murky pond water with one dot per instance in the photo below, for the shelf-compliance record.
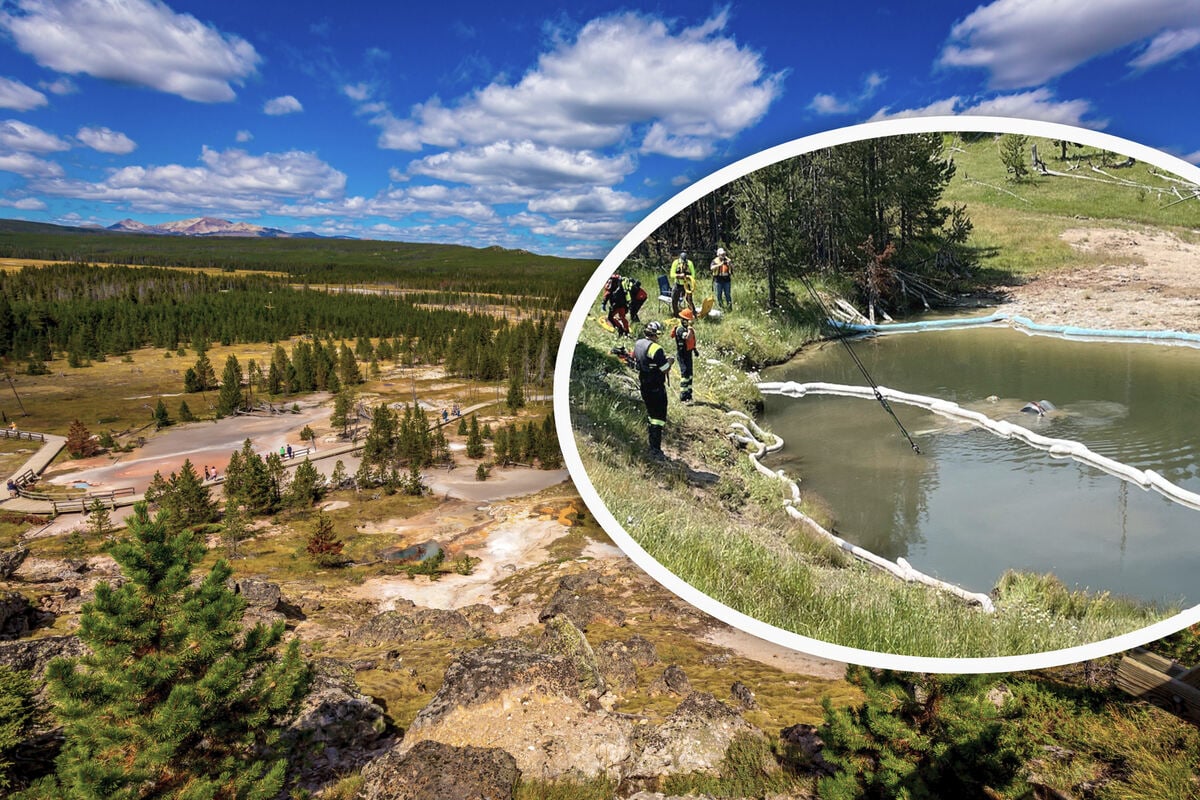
(973, 504)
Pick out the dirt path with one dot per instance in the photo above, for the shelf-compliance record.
(1149, 280)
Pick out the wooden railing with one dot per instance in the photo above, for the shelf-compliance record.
(10, 433)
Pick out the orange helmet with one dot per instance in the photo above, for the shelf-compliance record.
(686, 313)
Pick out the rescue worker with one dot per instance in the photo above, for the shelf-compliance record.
(722, 276)
(683, 272)
(653, 364)
(637, 297)
(685, 348)
(617, 300)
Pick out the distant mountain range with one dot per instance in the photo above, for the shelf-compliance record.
(208, 226)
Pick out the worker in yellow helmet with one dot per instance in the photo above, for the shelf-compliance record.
(683, 272)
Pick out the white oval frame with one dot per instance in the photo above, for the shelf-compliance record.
(731, 616)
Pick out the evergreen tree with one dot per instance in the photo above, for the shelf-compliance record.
(379, 448)
(191, 381)
(348, 371)
(162, 418)
(475, 448)
(462, 426)
(235, 529)
(307, 485)
(229, 399)
(917, 736)
(175, 699)
(99, 520)
(185, 413)
(80, 443)
(307, 434)
(16, 718)
(343, 405)
(323, 546)
(206, 376)
(157, 489)
(1012, 155)
(516, 390)
(337, 478)
(187, 500)
(415, 484)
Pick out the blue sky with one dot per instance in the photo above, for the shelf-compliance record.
(549, 130)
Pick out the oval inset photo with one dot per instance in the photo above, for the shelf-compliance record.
(918, 394)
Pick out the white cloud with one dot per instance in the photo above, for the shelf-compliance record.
(60, 86)
(141, 42)
(279, 106)
(694, 87)
(1028, 42)
(828, 104)
(358, 92)
(17, 135)
(1036, 104)
(524, 164)
(934, 109)
(232, 179)
(1192, 158)
(597, 200)
(18, 96)
(28, 165)
(608, 230)
(825, 104)
(243, 136)
(106, 141)
(24, 204)
(1166, 46)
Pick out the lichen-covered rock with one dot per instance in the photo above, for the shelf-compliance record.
(530, 704)
(616, 665)
(741, 694)
(33, 655)
(409, 623)
(435, 770)
(673, 681)
(259, 595)
(695, 738)
(580, 598)
(804, 747)
(336, 728)
(561, 637)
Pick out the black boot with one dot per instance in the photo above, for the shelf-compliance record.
(656, 434)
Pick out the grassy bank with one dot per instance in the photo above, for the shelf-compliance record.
(716, 523)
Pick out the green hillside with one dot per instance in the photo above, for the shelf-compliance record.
(1018, 222)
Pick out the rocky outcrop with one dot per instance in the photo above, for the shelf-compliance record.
(33, 655)
(436, 770)
(695, 738)
(337, 728)
(10, 560)
(410, 623)
(805, 748)
(540, 707)
(18, 616)
(561, 637)
(259, 595)
(673, 681)
(580, 598)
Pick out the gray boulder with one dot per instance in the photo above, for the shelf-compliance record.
(435, 770)
(10, 560)
(695, 738)
(337, 728)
